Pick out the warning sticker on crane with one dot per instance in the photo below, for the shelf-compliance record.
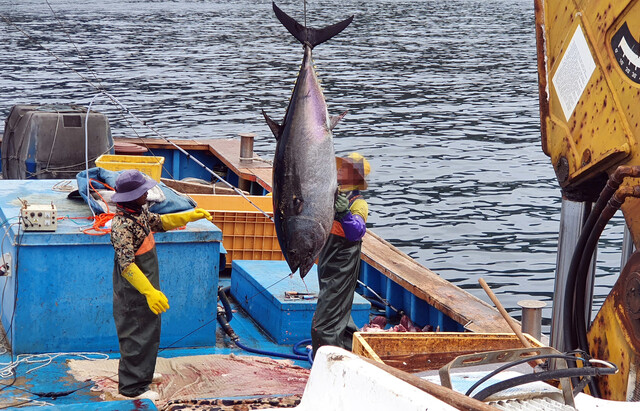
(573, 73)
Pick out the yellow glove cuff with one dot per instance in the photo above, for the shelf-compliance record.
(157, 301)
(175, 220)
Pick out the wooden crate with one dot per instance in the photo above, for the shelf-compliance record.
(424, 351)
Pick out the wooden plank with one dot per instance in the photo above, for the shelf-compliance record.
(228, 151)
(152, 143)
(462, 307)
(263, 177)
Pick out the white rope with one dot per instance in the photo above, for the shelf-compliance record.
(34, 403)
(43, 360)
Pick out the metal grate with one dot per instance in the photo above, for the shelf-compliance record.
(535, 404)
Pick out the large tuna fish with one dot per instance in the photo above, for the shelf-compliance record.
(304, 167)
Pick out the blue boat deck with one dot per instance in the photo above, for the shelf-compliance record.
(50, 375)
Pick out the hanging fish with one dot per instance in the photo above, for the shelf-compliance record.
(304, 169)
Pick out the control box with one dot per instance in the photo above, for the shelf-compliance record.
(37, 217)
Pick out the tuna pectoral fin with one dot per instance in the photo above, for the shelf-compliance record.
(308, 34)
(276, 128)
(336, 119)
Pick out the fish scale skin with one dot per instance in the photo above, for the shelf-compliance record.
(304, 169)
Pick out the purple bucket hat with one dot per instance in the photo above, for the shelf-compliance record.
(131, 185)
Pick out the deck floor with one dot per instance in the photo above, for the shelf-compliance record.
(50, 373)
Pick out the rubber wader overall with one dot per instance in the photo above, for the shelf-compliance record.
(137, 326)
(338, 269)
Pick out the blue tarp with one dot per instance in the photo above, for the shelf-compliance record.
(173, 202)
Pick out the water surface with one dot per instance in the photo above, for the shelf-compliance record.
(442, 99)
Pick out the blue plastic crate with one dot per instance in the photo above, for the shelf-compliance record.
(260, 286)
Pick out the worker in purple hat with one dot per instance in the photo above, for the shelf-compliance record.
(137, 299)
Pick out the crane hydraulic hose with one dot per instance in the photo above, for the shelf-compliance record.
(579, 321)
(574, 304)
(575, 336)
(583, 269)
(614, 182)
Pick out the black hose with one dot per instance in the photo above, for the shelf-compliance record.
(582, 274)
(222, 295)
(226, 327)
(578, 286)
(569, 334)
(575, 336)
(224, 316)
(613, 183)
(565, 357)
(580, 322)
(542, 376)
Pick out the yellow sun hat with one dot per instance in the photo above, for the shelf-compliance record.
(360, 165)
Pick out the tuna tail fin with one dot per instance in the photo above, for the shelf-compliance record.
(308, 35)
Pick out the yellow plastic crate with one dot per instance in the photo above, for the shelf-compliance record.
(247, 234)
(424, 351)
(150, 165)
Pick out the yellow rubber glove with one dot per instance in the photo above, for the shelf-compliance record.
(171, 221)
(157, 301)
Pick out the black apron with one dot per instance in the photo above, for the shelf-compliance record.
(137, 326)
(338, 270)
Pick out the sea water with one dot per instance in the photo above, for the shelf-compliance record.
(442, 98)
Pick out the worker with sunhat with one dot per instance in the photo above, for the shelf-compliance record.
(339, 260)
(137, 299)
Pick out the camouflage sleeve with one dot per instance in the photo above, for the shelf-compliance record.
(123, 243)
(155, 223)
